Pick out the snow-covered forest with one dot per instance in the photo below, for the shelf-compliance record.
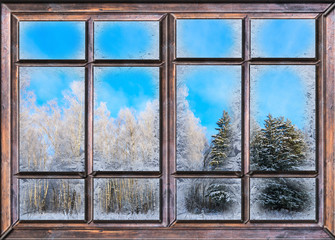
(126, 199)
(52, 199)
(52, 135)
(52, 139)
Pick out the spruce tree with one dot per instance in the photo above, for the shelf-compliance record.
(220, 143)
(279, 146)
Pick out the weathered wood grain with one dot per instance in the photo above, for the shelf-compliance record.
(329, 74)
(5, 119)
(173, 234)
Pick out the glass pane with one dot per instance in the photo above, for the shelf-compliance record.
(52, 199)
(208, 199)
(283, 38)
(126, 40)
(208, 118)
(126, 119)
(282, 118)
(52, 118)
(209, 38)
(52, 40)
(126, 199)
(282, 199)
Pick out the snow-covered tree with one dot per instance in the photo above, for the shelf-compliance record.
(128, 142)
(279, 146)
(191, 139)
(221, 142)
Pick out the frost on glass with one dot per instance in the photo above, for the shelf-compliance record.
(126, 40)
(52, 40)
(208, 199)
(282, 118)
(126, 199)
(282, 199)
(281, 38)
(208, 118)
(52, 118)
(209, 38)
(52, 199)
(126, 119)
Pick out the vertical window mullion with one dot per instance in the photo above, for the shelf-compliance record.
(171, 117)
(245, 120)
(89, 120)
(164, 121)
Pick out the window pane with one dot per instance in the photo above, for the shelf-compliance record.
(52, 40)
(52, 117)
(283, 38)
(209, 38)
(52, 199)
(208, 118)
(126, 199)
(282, 118)
(282, 199)
(126, 119)
(126, 40)
(208, 199)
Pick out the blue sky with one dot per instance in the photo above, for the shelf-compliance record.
(121, 87)
(283, 38)
(280, 91)
(52, 40)
(209, 38)
(126, 40)
(49, 83)
(210, 91)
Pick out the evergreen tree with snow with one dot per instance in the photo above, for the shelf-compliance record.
(221, 142)
(279, 146)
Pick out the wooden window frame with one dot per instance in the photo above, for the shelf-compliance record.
(167, 13)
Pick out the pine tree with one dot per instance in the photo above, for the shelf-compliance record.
(220, 143)
(279, 146)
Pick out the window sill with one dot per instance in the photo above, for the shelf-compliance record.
(171, 233)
